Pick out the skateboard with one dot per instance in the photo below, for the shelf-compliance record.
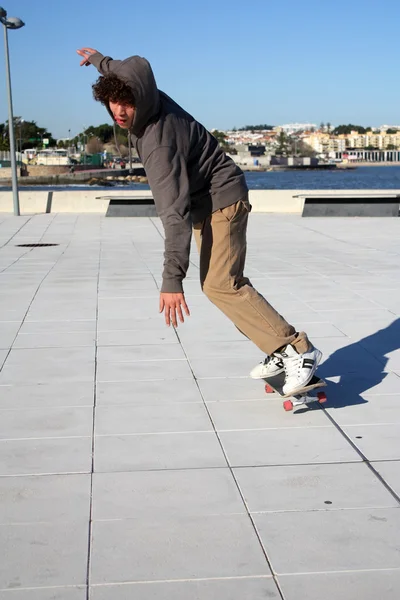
(302, 396)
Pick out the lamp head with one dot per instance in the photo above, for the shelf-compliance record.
(14, 23)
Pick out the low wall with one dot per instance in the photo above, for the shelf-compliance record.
(71, 201)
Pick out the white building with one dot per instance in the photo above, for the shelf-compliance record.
(290, 128)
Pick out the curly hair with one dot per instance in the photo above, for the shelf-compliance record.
(110, 88)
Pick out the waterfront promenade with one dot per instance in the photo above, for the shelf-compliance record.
(141, 462)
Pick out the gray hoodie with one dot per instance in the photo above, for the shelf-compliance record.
(189, 175)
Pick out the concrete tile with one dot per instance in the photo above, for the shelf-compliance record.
(3, 355)
(46, 422)
(222, 367)
(42, 395)
(137, 337)
(144, 325)
(376, 442)
(239, 349)
(117, 308)
(316, 330)
(375, 410)
(45, 456)
(54, 340)
(59, 593)
(140, 371)
(158, 451)
(154, 494)
(8, 331)
(343, 540)
(374, 315)
(262, 414)
(73, 371)
(48, 498)
(193, 547)
(286, 446)
(341, 356)
(47, 365)
(51, 356)
(115, 420)
(367, 585)
(326, 305)
(309, 487)
(213, 589)
(56, 327)
(232, 388)
(390, 472)
(43, 554)
(64, 313)
(371, 383)
(206, 331)
(137, 353)
(147, 393)
(357, 329)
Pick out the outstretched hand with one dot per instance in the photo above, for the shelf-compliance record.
(172, 305)
(86, 53)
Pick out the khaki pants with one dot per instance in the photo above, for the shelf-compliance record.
(221, 241)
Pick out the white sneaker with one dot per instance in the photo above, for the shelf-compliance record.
(299, 368)
(272, 365)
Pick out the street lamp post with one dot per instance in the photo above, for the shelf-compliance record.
(11, 23)
(21, 121)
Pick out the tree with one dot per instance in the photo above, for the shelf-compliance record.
(328, 127)
(256, 127)
(26, 133)
(105, 132)
(94, 145)
(347, 129)
(219, 136)
(282, 147)
(392, 131)
(322, 126)
(124, 152)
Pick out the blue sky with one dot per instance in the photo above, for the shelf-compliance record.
(228, 62)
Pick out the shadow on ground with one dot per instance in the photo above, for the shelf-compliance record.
(360, 366)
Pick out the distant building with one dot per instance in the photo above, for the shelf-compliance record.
(295, 127)
(323, 143)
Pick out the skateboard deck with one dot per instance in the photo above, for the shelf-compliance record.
(301, 396)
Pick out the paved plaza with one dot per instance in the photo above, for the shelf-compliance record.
(141, 462)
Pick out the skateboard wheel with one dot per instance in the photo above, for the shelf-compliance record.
(321, 397)
(268, 389)
(288, 405)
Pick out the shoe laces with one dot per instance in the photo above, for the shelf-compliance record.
(292, 365)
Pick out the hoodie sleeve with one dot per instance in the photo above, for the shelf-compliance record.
(167, 174)
(104, 64)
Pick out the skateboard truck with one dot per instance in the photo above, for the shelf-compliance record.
(302, 397)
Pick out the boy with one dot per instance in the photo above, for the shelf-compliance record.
(196, 186)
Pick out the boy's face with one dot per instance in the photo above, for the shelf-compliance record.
(123, 114)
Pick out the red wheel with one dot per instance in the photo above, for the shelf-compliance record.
(321, 397)
(288, 405)
(268, 389)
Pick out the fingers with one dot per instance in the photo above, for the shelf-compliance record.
(186, 308)
(180, 315)
(172, 305)
(173, 317)
(86, 53)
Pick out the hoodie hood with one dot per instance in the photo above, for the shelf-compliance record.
(138, 74)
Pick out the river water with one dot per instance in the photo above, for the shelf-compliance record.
(372, 178)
